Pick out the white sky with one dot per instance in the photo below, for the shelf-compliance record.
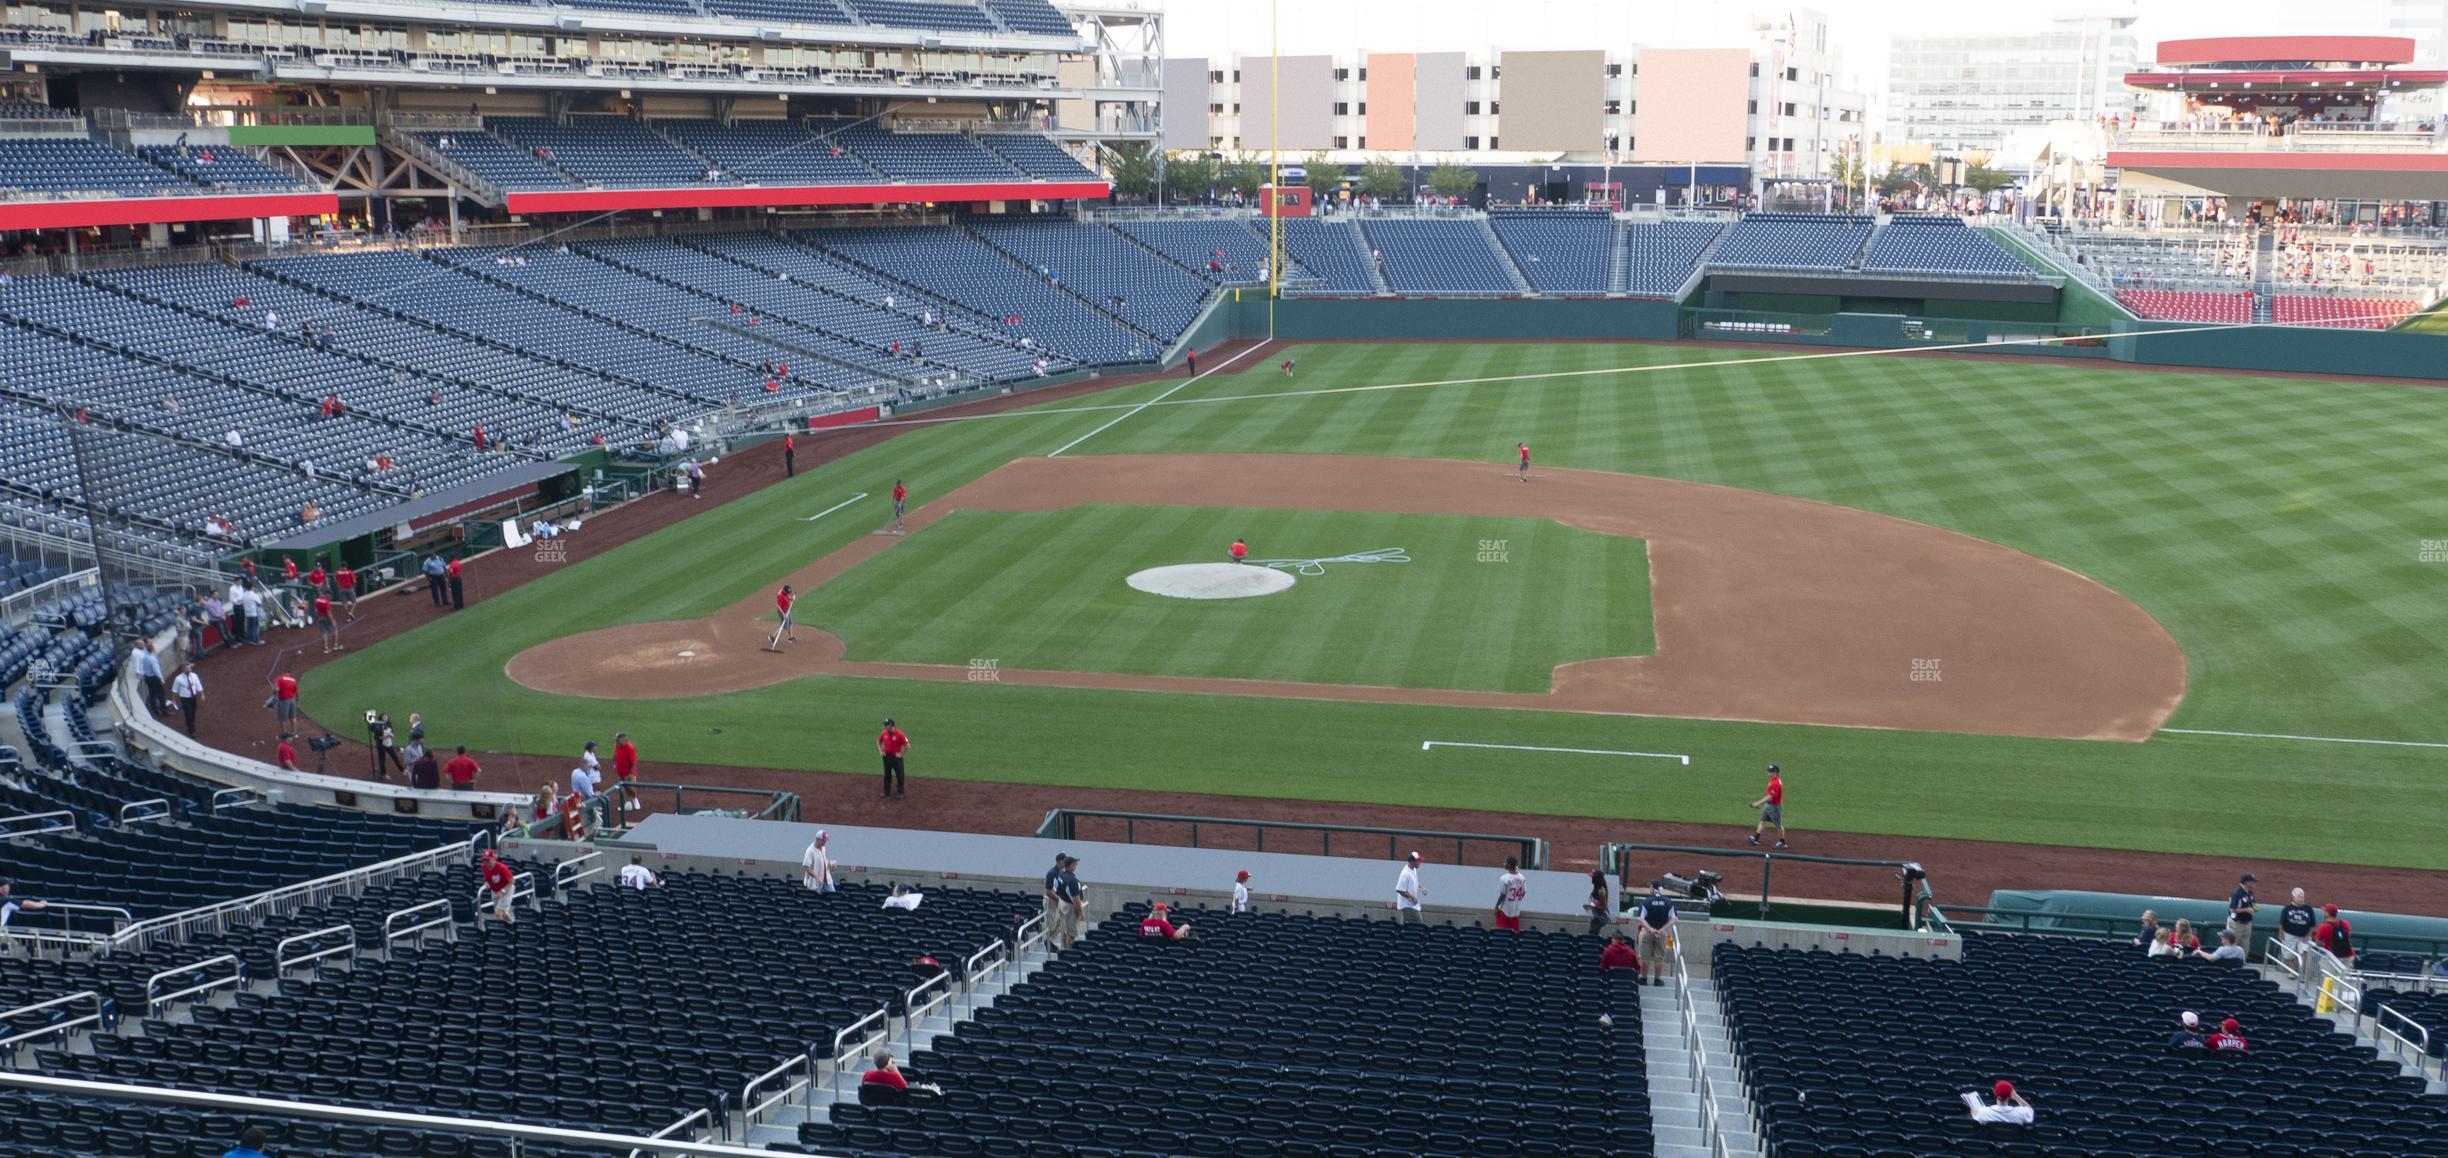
(1860, 29)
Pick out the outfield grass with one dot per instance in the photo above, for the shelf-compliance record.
(1046, 590)
(2276, 526)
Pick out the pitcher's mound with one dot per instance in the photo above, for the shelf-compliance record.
(1211, 581)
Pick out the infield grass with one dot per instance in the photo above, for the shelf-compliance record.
(1499, 602)
(2277, 527)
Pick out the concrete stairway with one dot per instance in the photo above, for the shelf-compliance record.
(781, 1124)
(1673, 1104)
(1619, 258)
(2435, 1078)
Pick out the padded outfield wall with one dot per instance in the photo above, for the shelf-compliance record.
(2372, 353)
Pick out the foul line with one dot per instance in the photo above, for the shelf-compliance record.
(1427, 744)
(2307, 739)
(835, 507)
(1153, 401)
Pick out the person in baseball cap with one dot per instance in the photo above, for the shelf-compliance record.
(1408, 894)
(2005, 1107)
(1240, 893)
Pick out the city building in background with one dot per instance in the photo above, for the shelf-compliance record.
(1963, 94)
(1779, 105)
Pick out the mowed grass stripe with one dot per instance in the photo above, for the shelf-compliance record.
(1046, 590)
(2272, 524)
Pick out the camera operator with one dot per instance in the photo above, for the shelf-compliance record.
(386, 757)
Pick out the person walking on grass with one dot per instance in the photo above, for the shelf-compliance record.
(900, 508)
(329, 625)
(1771, 805)
(790, 456)
(1522, 450)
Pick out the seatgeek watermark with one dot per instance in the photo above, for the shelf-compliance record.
(1495, 550)
(1925, 671)
(985, 671)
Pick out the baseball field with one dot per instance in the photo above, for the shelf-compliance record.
(1986, 599)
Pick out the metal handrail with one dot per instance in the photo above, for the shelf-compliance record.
(1023, 939)
(675, 1128)
(101, 1007)
(132, 805)
(46, 826)
(1712, 1131)
(68, 934)
(255, 1108)
(2421, 1048)
(1063, 823)
(282, 962)
(751, 1110)
(289, 898)
(155, 999)
(975, 969)
(238, 796)
(910, 1013)
(841, 1058)
(2289, 958)
(392, 932)
(563, 876)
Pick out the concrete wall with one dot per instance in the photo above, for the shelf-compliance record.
(1693, 104)
(1185, 102)
(1436, 101)
(1554, 101)
(1392, 122)
(1307, 87)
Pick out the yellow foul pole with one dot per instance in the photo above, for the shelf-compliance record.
(1274, 198)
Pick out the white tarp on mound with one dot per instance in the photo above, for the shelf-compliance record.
(1211, 581)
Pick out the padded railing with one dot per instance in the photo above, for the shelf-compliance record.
(1063, 824)
(101, 1009)
(282, 962)
(155, 998)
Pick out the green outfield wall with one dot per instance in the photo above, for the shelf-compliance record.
(2372, 353)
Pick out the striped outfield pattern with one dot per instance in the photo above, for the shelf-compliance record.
(1045, 590)
(2276, 526)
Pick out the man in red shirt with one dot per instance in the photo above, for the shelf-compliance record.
(289, 568)
(783, 600)
(790, 457)
(285, 700)
(900, 507)
(458, 592)
(346, 580)
(1287, 367)
(2335, 935)
(892, 743)
(323, 619)
(498, 880)
(1618, 954)
(1523, 449)
(1157, 925)
(285, 755)
(1771, 805)
(624, 769)
(314, 578)
(2229, 1038)
(461, 771)
(1239, 551)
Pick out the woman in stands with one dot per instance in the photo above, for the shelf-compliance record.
(2184, 940)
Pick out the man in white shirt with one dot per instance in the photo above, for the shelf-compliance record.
(902, 898)
(816, 864)
(233, 438)
(251, 601)
(1511, 889)
(1240, 901)
(637, 876)
(1408, 893)
(188, 689)
(10, 905)
(2008, 1108)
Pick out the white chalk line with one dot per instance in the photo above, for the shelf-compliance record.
(835, 507)
(1153, 401)
(1427, 744)
(2305, 739)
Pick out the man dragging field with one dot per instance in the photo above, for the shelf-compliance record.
(783, 600)
(900, 508)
